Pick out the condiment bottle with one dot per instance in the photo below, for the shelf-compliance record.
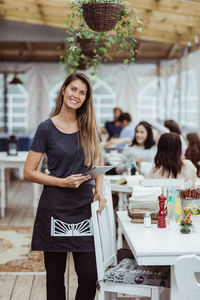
(161, 213)
(147, 219)
(133, 169)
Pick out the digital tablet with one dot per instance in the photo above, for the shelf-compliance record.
(97, 171)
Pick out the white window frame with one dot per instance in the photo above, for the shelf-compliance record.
(12, 125)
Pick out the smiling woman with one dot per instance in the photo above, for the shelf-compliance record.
(143, 148)
(74, 94)
(70, 138)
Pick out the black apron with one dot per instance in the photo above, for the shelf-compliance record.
(63, 219)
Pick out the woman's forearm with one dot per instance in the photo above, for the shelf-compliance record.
(99, 180)
(99, 184)
(41, 178)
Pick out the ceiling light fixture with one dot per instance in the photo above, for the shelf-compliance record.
(16, 80)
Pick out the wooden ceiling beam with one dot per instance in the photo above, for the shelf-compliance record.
(171, 6)
(160, 36)
(36, 52)
(29, 48)
(172, 28)
(159, 24)
(143, 11)
(172, 51)
(147, 34)
(172, 19)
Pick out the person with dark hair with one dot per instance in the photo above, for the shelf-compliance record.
(143, 148)
(128, 129)
(113, 127)
(168, 161)
(171, 126)
(126, 135)
(193, 151)
(70, 138)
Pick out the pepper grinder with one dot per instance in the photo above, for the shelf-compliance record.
(161, 213)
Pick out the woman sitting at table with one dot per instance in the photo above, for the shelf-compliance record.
(193, 150)
(168, 161)
(143, 148)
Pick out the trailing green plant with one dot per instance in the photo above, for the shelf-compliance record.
(122, 36)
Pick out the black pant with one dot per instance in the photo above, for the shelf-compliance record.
(85, 266)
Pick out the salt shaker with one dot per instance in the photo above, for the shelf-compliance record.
(147, 220)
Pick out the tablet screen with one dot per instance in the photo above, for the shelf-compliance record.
(97, 171)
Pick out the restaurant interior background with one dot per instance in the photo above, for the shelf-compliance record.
(163, 84)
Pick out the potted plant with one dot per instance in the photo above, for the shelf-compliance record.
(186, 223)
(78, 34)
(195, 216)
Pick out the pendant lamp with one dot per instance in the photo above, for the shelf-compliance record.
(16, 80)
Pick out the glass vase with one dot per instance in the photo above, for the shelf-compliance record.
(185, 228)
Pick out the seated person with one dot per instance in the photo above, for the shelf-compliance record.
(143, 148)
(128, 129)
(193, 150)
(168, 161)
(126, 135)
(171, 126)
(113, 127)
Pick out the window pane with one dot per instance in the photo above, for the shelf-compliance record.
(19, 100)
(18, 109)
(107, 110)
(18, 130)
(18, 119)
(107, 101)
(100, 90)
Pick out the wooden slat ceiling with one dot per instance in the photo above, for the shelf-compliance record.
(168, 25)
(171, 21)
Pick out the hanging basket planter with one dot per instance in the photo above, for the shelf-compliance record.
(101, 17)
(88, 45)
(84, 63)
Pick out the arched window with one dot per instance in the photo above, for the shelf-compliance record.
(17, 107)
(104, 100)
(150, 99)
(174, 97)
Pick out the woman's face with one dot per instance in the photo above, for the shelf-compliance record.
(140, 135)
(75, 94)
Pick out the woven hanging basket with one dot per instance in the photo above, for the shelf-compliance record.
(101, 16)
(88, 46)
(83, 65)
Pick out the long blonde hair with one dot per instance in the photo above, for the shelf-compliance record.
(89, 131)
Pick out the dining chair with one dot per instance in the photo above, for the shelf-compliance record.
(185, 269)
(125, 277)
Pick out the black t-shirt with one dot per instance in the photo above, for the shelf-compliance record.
(65, 156)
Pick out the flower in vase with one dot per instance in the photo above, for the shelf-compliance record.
(186, 223)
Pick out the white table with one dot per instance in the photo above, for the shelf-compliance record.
(13, 161)
(154, 246)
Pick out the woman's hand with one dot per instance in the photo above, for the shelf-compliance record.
(102, 201)
(74, 181)
(138, 161)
